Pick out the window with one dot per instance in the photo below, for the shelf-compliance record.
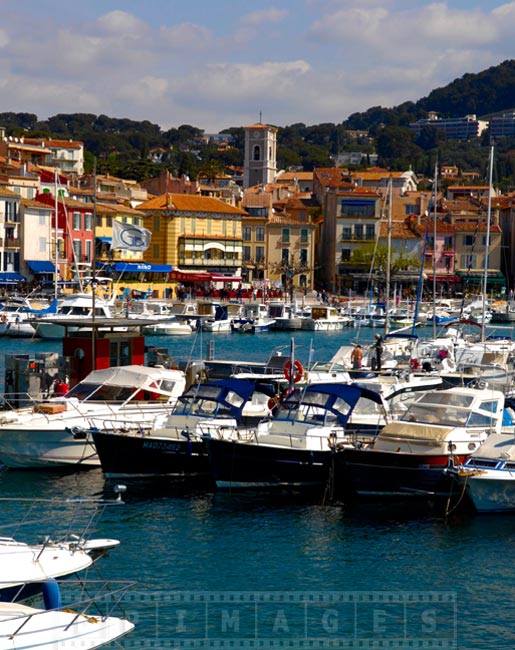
(31, 192)
(42, 244)
(183, 225)
(370, 232)
(411, 209)
(88, 221)
(256, 155)
(260, 253)
(193, 225)
(303, 257)
(468, 261)
(155, 250)
(157, 223)
(358, 231)
(468, 240)
(42, 219)
(304, 235)
(286, 236)
(234, 227)
(285, 255)
(224, 227)
(246, 233)
(260, 233)
(77, 250)
(88, 250)
(209, 225)
(77, 221)
(246, 253)
(345, 255)
(347, 232)
(353, 208)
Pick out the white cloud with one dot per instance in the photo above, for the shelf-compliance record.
(265, 16)
(143, 91)
(121, 23)
(4, 38)
(187, 37)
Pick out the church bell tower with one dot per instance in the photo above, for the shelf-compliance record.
(260, 165)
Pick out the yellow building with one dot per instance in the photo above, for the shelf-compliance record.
(200, 237)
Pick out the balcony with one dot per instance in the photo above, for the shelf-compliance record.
(11, 242)
(200, 263)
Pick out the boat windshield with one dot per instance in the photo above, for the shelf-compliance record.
(315, 408)
(85, 392)
(444, 415)
(209, 401)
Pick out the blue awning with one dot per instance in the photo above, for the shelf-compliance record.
(7, 277)
(40, 266)
(141, 267)
(105, 240)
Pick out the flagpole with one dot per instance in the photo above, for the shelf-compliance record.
(56, 230)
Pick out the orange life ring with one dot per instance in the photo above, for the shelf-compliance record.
(299, 371)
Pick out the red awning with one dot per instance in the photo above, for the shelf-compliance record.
(185, 276)
(225, 278)
(445, 278)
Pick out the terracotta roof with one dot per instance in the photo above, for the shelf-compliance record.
(292, 176)
(30, 203)
(261, 126)
(189, 203)
(107, 209)
(333, 177)
(400, 230)
(6, 192)
(55, 144)
(256, 200)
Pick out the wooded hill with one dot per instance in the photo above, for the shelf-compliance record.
(121, 146)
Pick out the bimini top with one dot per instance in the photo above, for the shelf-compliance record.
(327, 401)
(119, 383)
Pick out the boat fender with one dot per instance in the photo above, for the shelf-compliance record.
(273, 402)
(297, 369)
(51, 594)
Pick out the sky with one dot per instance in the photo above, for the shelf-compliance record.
(215, 65)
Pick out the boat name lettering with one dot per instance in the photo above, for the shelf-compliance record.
(162, 444)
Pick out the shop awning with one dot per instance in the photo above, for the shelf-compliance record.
(189, 276)
(141, 267)
(40, 266)
(224, 278)
(9, 277)
(494, 277)
(105, 240)
(445, 278)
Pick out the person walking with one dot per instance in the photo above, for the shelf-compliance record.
(357, 357)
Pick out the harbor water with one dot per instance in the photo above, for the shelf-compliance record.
(257, 571)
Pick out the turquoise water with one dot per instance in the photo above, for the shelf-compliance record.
(251, 570)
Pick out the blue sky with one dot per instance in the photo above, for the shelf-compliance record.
(218, 64)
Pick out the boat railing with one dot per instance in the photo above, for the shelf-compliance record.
(92, 599)
(54, 522)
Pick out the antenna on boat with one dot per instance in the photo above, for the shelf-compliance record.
(435, 190)
(93, 271)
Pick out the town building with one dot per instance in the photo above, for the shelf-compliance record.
(455, 128)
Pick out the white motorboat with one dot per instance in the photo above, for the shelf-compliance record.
(409, 456)
(73, 308)
(324, 319)
(218, 317)
(254, 319)
(82, 624)
(15, 315)
(52, 433)
(488, 475)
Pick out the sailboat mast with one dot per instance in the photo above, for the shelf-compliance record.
(56, 231)
(435, 189)
(487, 245)
(388, 256)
